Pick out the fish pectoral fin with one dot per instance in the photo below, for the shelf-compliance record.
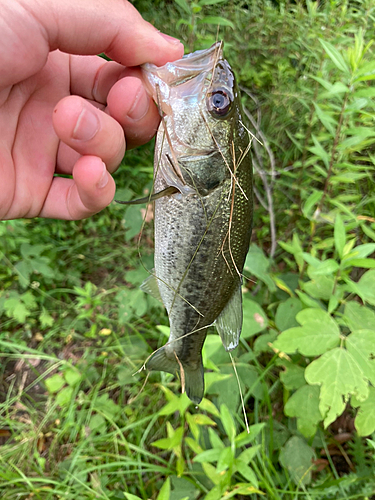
(168, 191)
(229, 322)
(150, 285)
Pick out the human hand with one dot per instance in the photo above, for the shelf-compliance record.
(63, 109)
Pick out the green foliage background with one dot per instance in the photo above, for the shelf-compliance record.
(74, 326)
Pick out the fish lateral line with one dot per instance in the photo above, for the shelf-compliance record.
(168, 191)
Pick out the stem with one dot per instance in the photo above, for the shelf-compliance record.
(334, 150)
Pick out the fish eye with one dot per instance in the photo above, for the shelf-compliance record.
(219, 103)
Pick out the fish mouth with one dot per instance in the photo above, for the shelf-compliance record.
(178, 72)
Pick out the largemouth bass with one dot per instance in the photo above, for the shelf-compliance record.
(203, 209)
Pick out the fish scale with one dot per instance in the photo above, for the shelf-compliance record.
(202, 229)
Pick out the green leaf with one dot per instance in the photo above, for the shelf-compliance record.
(210, 2)
(339, 376)
(365, 419)
(366, 286)
(296, 456)
(178, 403)
(211, 473)
(293, 375)
(45, 318)
(245, 437)
(131, 302)
(364, 263)
(286, 313)
(361, 345)
(262, 342)
(165, 491)
(310, 203)
(319, 332)
(319, 288)
(215, 441)
(358, 317)
(72, 376)
(304, 405)
(247, 455)
(340, 235)
(170, 442)
(361, 251)
(107, 406)
(254, 318)
(209, 407)
(326, 119)
(129, 496)
(227, 421)
(226, 460)
(64, 397)
(54, 383)
(15, 308)
(184, 6)
(216, 20)
(365, 72)
(322, 268)
(246, 472)
(193, 445)
(308, 301)
(226, 385)
(215, 493)
(319, 151)
(24, 269)
(194, 429)
(97, 423)
(257, 264)
(201, 419)
(133, 222)
(212, 455)
(335, 56)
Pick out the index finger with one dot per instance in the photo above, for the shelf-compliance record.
(85, 27)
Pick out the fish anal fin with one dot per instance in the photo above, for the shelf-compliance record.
(150, 285)
(229, 322)
(160, 362)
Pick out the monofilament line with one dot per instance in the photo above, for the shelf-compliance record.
(241, 395)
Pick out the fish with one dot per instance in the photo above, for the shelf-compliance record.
(203, 193)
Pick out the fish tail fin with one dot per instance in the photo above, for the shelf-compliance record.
(194, 382)
(192, 379)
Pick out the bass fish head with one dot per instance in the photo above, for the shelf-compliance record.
(200, 105)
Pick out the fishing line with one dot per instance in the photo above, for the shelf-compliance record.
(241, 395)
(222, 155)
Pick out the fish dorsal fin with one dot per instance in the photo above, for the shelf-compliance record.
(150, 285)
(229, 322)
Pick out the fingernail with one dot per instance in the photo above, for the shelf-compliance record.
(87, 125)
(170, 39)
(103, 181)
(140, 106)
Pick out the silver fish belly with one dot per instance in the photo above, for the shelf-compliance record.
(202, 231)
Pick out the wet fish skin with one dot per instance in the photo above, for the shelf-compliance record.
(202, 233)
